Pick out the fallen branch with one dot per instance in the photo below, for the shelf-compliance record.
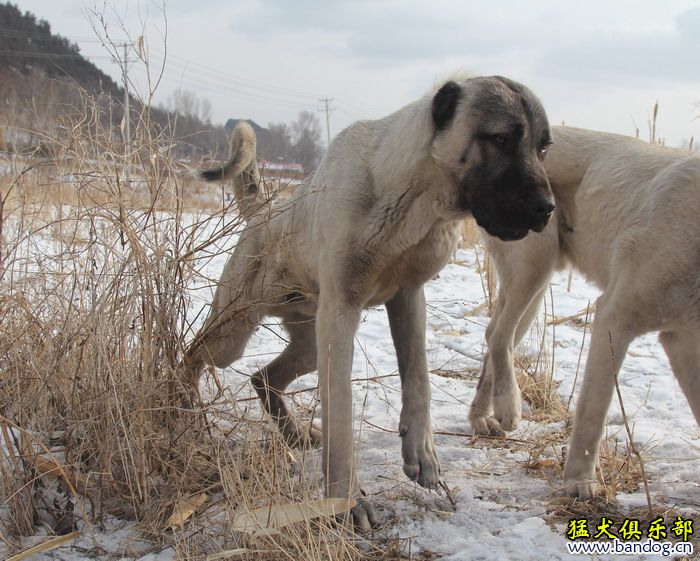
(47, 545)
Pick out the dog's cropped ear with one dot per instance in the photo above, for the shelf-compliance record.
(445, 104)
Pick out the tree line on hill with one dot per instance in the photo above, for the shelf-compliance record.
(46, 84)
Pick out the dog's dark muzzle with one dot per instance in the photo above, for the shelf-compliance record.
(510, 204)
(511, 224)
(542, 212)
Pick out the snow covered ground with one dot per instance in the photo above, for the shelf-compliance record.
(501, 506)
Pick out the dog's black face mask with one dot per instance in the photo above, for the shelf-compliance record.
(508, 201)
(501, 179)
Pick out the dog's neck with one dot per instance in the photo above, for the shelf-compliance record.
(397, 173)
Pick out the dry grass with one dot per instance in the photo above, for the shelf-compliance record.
(618, 469)
(595, 510)
(469, 234)
(539, 389)
(94, 313)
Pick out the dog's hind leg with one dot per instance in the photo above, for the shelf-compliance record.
(614, 328)
(406, 312)
(524, 269)
(683, 350)
(298, 358)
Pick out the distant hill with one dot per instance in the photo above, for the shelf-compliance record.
(27, 44)
(43, 75)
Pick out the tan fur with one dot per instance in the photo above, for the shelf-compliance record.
(378, 219)
(627, 218)
(242, 170)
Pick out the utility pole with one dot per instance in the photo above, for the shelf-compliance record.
(327, 109)
(127, 113)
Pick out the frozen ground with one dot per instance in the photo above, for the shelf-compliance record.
(500, 504)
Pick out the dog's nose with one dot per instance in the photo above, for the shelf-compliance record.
(543, 210)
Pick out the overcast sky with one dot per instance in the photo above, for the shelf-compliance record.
(595, 64)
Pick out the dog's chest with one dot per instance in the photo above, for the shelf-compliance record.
(415, 265)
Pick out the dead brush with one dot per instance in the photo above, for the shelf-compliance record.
(539, 389)
(620, 467)
(484, 267)
(618, 470)
(96, 304)
(534, 369)
(93, 312)
(562, 512)
(255, 504)
(469, 233)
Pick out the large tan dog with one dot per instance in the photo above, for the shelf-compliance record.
(627, 218)
(378, 219)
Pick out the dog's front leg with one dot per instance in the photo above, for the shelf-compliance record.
(406, 312)
(336, 324)
(524, 269)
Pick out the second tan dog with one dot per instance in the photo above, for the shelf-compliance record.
(627, 218)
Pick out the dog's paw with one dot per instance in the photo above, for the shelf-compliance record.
(579, 475)
(364, 517)
(420, 462)
(187, 401)
(581, 488)
(507, 409)
(302, 437)
(484, 425)
(314, 436)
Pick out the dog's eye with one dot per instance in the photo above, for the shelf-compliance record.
(544, 148)
(499, 139)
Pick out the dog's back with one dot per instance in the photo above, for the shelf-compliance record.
(621, 199)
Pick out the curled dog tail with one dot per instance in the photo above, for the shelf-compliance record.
(242, 169)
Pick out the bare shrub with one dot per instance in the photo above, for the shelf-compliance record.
(95, 309)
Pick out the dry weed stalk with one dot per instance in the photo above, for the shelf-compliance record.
(488, 277)
(95, 309)
(469, 233)
(628, 432)
(535, 372)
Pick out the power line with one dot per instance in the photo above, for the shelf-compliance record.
(216, 85)
(239, 94)
(215, 78)
(350, 108)
(205, 77)
(241, 81)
